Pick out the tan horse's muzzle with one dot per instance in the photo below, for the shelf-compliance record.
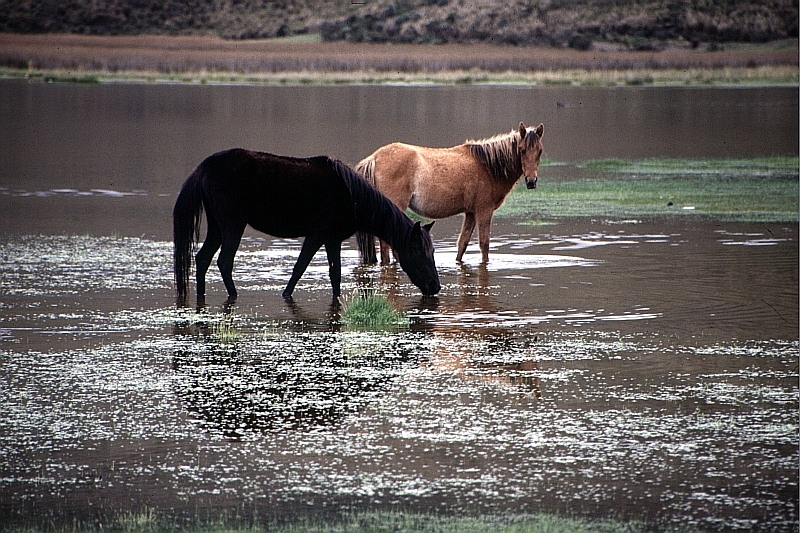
(531, 182)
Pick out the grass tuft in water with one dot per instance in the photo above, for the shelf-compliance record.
(144, 521)
(225, 331)
(370, 309)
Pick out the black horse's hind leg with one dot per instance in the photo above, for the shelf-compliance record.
(310, 247)
(206, 254)
(334, 252)
(230, 243)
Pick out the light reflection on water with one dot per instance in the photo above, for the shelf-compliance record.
(584, 371)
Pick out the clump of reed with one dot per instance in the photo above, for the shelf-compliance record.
(225, 331)
(371, 309)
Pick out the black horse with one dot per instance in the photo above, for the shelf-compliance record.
(318, 198)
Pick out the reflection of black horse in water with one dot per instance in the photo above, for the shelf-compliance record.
(318, 198)
(279, 382)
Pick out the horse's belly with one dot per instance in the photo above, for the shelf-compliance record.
(435, 206)
(295, 228)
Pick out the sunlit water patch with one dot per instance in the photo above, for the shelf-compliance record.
(501, 262)
(280, 418)
(107, 193)
(58, 265)
(751, 239)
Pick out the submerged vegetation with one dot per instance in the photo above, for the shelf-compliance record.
(151, 521)
(745, 190)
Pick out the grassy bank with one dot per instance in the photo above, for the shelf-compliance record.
(151, 58)
(760, 76)
(745, 190)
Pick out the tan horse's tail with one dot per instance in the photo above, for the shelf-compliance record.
(366, 241)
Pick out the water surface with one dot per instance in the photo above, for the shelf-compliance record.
(635, 369)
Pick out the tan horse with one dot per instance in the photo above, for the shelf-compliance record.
(473, 178)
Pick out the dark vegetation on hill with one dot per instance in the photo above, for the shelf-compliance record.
(642, 24)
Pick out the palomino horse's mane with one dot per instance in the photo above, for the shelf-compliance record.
(499, 154)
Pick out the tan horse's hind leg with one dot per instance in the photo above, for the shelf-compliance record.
(385, 249)
(467, 227)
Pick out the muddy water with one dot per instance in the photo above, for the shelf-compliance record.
(640, 370)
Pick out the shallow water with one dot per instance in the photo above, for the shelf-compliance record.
(633, 369)
(584, 371)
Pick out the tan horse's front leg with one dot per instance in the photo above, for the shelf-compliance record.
(484, 228)
(467, 227)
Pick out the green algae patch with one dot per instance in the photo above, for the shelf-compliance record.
(741, 190)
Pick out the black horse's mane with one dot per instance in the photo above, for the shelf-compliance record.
(372, 208)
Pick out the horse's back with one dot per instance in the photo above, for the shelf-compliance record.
(434, 182)
(281, 196)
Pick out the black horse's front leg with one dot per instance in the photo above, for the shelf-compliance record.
(310, 247)
(334, 252)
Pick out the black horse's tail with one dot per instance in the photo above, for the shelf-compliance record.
(186, 228)
(366, 241)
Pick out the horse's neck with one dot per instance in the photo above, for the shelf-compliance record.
(377, 214)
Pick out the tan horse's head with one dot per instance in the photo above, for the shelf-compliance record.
(530, 152)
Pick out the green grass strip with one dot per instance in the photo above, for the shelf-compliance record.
(748, 190)
(755, 166)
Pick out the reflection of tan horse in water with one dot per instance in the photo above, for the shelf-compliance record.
(473, 178)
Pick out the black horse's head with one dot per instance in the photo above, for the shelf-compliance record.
(416, 259)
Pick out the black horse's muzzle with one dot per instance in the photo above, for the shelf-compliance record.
(531, 182)
(431, 288)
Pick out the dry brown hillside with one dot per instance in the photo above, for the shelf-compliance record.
(642, 24)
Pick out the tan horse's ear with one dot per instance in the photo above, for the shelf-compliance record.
(522, 130)
(539, 130)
